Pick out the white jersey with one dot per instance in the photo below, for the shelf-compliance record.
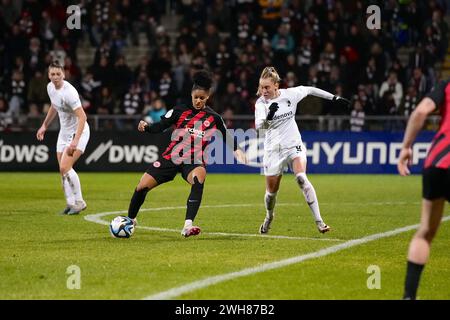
(65, 100)
(282, 131)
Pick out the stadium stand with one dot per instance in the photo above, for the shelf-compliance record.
(129, 55)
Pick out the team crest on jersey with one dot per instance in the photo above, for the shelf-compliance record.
(157, 164)
(206, 123)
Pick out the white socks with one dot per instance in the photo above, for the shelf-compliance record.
(269, 201)
(187, 223)
(72, 187)
(310, 195)
(67, 188)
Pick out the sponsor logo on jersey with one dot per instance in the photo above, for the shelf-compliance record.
(284, 115)
(196, 132)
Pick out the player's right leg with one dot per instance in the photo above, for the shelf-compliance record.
(270, 197)
(274, 165)
(419, 248)
(435, 190)
(71, 183)
(70, 180)
(68, 193)
(146, 183)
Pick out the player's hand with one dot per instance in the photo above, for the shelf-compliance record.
(72, 147)
(404, 161)
(41, 132)
(142, 125)
(272, 109)
(240, 156)
(341, 101)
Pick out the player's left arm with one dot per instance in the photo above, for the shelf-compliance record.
(311, 91)
(169, 119)
(82, 118)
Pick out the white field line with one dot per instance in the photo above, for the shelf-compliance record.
(96, 218)
(200, 284)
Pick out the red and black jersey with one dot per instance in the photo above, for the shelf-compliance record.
(192, 132)
(439, 153)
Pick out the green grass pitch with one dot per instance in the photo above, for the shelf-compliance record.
(38, 245)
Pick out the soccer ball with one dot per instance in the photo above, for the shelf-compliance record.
(121, 227)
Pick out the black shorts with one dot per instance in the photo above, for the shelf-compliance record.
(165, 170)
(436, 183)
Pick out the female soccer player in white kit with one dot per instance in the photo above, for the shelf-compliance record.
(73, 134)
(275, 112)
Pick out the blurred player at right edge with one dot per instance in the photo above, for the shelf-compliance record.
(435, 180)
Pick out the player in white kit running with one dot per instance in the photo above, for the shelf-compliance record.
(73, 134)
(275, 112)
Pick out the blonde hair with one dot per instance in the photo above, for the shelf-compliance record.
(269, 73)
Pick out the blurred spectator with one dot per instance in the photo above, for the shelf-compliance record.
(37, 90)
(131, 104)
(231, 99)
(282, 43)
(105, 102)
(17, 92)
(220, 15)
(228, 116)
(88, 90)
(419, 82)
(10, 11)
(5, 118)
(410, 101)
(58, 53)
(357, 119)
(123, 77)
(166, 89)
(35, 56)
(392, 86)
(270, 14)
(154, 112)
(33, 111)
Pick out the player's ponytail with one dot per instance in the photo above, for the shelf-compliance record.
(269, 73)
(202, 80)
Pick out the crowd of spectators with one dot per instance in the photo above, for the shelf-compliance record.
(321, 43)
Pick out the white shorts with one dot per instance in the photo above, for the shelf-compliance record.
(277, 161)
(65, 138)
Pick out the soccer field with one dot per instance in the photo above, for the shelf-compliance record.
(229, 259)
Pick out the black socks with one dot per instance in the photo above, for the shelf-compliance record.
(136, 202)
(194, 200)
(413, 272)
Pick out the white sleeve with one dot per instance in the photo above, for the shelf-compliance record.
(311, 91)
(73, 99)
(260, 116)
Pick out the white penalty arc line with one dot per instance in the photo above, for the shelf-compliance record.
(200, 284)
(96, 218)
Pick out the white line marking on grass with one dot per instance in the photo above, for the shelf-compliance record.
(200, 284)
(96, 218)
